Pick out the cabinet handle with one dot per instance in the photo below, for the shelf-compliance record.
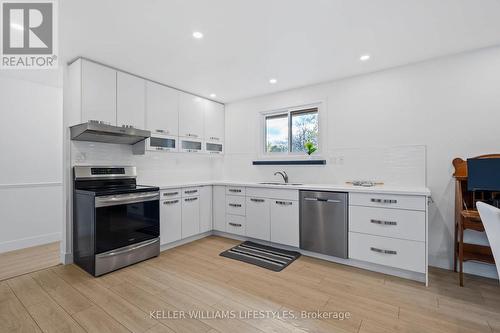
(234, 190)
(234, 205)
(284, 203)
(170, 202)
(170, 194)
(257, 200)
(235, 224)
(387, 201)
(190, 199)
(374, 249)
(214, 138)
(190, 191)
(192, 135)
(383, 222)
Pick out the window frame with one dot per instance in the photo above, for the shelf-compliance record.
(288, 112)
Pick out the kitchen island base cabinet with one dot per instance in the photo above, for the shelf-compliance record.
(258, 218)
(285, 222)
(190, 216)
(170, 221)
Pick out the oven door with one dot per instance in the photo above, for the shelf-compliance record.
(126, 219)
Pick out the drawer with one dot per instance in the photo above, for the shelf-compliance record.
(170, 193)
(235, 190)
(235, 224)
(395, 223)
(190, 191)
(273, 193)
(235, 205)
(388, 201)
(398, 253)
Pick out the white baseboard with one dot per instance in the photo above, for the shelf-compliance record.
(185, 241)
(22, 243)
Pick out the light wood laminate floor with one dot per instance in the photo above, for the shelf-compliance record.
(194, 277)
(18, 262)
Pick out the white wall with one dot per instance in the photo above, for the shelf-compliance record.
(449, 105)
(31, 201)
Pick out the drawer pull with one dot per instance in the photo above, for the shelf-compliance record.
(170, 202)
(374, 249)
(235, 224)
(191, 199)
(170, 194)
(257, 200)
(383, 222)
(234, 205)
(284, 203)
(386, 201)
(190, 191)
(234, 190)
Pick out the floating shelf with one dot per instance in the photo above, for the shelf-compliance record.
(290, 162)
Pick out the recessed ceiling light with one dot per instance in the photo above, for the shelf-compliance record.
(365, 57)
(273, 81)
(197, 35)
(213, 95)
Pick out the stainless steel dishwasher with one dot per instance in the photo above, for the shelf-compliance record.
(323, 222)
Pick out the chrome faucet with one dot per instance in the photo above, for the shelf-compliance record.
(283, 174)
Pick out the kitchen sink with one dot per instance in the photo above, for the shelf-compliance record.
(278, 183)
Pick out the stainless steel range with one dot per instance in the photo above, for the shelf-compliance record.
(116, 222)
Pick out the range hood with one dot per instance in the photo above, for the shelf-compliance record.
(101, 132)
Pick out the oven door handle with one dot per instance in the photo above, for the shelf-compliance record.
(122, 199)
(126, 249)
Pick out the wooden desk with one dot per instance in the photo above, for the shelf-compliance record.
(467, 218)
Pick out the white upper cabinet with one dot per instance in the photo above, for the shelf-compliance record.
(162, 109)
(214, 121)
(98, 92)
(131, 101)
(191, 115)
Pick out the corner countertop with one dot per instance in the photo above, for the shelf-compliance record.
(388, 189)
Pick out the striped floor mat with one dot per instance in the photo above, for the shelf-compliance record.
(262, 255)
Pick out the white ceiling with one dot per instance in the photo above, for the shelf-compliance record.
(246, 42)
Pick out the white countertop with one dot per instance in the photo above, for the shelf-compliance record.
(316, 187)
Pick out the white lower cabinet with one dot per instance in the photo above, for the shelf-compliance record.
(258, 218)
(219, 208)
(205, 208)
(393, 252)
(236, 224)
(170, 220)
(285, 222)
(190, 216)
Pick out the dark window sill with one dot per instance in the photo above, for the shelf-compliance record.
(290, 162)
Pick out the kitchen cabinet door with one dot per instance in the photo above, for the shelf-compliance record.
(130, 101)
(214, 122)
(191, 115)
(205, 208)
(258, 222)
(190, 216)
(285, 222)
(170, 220)
(98, 93)
(162, 109)
(219, 208)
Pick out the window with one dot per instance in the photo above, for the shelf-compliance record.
(288, 131)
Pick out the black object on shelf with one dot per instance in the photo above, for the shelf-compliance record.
(290, 162)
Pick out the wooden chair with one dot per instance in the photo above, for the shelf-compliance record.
(467, 217)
